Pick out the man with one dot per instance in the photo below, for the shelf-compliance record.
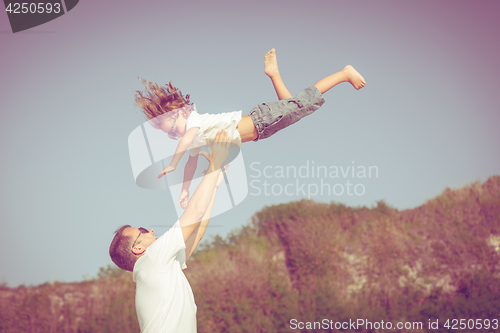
(164, 300)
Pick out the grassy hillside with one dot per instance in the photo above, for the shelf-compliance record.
(310, 261)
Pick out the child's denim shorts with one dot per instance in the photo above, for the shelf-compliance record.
(269, 118)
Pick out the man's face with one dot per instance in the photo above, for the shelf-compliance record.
(143, 238)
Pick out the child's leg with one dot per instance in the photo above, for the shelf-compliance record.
(247, 129)
(268, 118)
(271, 70)
(348, 74)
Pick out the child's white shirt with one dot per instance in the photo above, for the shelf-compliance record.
(209, 125)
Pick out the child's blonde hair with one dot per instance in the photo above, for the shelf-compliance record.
(156, 100)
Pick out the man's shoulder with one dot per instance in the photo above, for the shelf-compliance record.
(167, 244)
(160, 255)
(176, 227)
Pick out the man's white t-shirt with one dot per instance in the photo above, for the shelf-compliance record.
(164, 300)
(209, 125)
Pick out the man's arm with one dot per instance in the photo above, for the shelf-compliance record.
(199, 232)
(199, 203)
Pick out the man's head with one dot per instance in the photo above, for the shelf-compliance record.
(156, 100)
(129, 244)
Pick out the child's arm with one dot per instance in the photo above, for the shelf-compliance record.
(189, 170)
(180, 150)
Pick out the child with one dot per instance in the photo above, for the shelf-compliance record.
(169, 111)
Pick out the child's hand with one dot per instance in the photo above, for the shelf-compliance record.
(168, 169)
(184, 199)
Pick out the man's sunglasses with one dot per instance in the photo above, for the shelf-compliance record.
(141, 231)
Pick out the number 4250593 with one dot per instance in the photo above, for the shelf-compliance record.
(41, 7)
(462, 324)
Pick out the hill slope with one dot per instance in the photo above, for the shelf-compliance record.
(309, 261)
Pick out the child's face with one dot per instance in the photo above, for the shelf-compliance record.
(175, 125)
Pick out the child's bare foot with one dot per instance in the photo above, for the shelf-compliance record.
(354, 78)
(271, 64)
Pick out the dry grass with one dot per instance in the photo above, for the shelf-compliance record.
(309, 261)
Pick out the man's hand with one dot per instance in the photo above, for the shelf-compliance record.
(218, 153)
(221, 175)
(168, 169)
(184, 199)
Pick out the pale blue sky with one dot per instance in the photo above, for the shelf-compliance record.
(428, 117)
